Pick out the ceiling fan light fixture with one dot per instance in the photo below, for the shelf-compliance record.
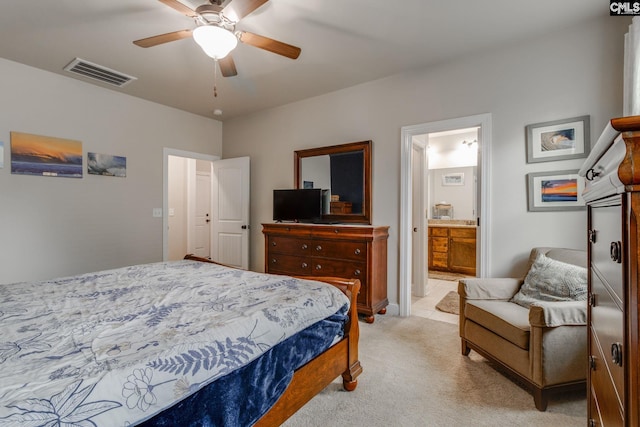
(216, 41)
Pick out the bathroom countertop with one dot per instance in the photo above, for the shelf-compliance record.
(458, 223)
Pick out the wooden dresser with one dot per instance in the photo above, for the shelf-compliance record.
(349, 251)
(612, 193)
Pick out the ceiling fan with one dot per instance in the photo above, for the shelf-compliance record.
(216, 32)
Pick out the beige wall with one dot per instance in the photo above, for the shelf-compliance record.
(51, 227)
(566, 74)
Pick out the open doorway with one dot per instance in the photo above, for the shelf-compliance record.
(215, 195)
(187, 215)
(414, 222)
(220, 224)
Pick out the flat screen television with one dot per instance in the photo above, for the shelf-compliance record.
(301, 205)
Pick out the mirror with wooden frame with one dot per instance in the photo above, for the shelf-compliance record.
(344, 170)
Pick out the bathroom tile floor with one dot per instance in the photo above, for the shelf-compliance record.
(426, 306)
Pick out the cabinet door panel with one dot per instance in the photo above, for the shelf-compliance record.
(462, 255)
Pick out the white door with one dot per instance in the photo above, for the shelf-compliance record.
(202, 233)
(230, 216)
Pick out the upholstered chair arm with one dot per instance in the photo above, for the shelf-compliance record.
(551, 314)
(496, 289)
(558, 342)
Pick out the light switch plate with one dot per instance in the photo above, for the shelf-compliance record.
(157, 212)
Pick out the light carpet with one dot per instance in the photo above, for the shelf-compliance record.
(414, 375)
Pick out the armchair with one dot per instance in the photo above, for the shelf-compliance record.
(543, 347)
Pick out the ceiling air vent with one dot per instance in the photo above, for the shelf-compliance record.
(98, 72)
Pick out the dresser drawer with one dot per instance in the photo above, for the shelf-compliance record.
(463, 232)
(606, 222)
(439, 231)
(439, 244)
(607, 325)
(340, 268)
(440, 259)
(605, 405)
(289, 245)
(289, 264)
(356, 251)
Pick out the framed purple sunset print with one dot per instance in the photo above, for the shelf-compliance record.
(555, 191)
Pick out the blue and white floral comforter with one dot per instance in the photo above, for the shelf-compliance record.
(116, 347)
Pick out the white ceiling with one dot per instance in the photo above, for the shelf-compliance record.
(343, 43)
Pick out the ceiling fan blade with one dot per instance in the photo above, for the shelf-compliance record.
(271, 45)
(238, 9)
(163, 38)
(227, 66)
(176, 5)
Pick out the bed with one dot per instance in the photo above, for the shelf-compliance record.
(187, 342)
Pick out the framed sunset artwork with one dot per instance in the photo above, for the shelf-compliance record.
(555, 191)
(45, 156)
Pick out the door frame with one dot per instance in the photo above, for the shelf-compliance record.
(166, 152)
(483, 121)
(419, 247)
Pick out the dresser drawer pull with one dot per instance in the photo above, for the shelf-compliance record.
(318, 267)
(592, 174)
(616, 252)
(616, 353)
(357, 272)
(273, 261)
(318, 248)
(592, 363)
(591, 236)
(305, 265)
(274, 244)
(357, 251)
(304, 246)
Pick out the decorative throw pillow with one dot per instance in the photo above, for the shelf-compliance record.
(552, 280)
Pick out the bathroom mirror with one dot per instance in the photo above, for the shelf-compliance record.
(344, 170)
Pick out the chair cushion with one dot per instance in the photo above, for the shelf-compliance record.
(552, 280)
(504, 318)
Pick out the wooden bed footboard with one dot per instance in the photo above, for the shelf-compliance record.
(312, 378)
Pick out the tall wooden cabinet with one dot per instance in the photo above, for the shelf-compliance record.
(348, 251)
(612, 193)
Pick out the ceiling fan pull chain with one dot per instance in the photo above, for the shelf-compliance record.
(215, 79)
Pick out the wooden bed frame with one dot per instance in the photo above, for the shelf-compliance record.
(312, 378)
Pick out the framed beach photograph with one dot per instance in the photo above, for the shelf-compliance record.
(45, 156)
(555, 191)
(558, 140)
(453, 178)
